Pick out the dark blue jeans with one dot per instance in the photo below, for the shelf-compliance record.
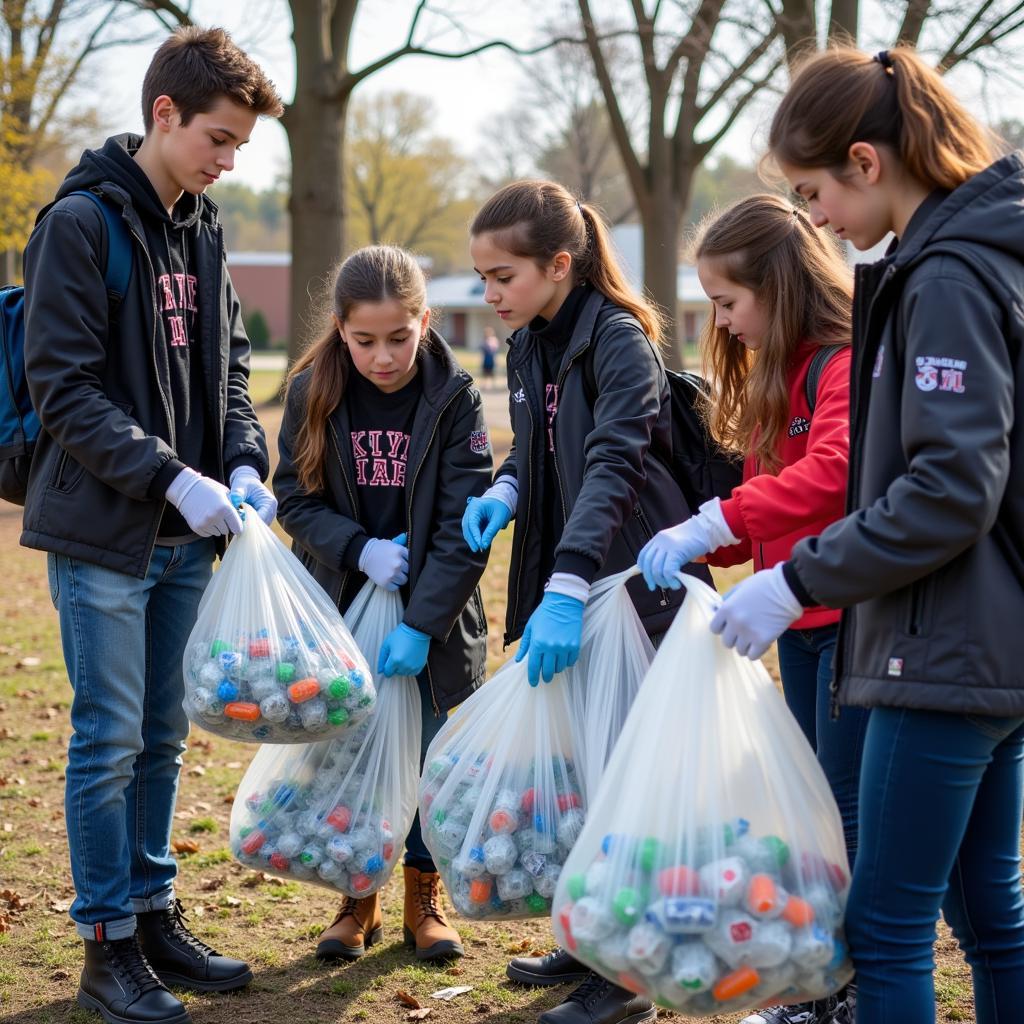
(940, 816)
(805, 664)
(416, 853)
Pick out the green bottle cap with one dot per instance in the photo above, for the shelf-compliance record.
(285, 671)
(626, 906)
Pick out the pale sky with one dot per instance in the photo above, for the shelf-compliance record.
(471, 96)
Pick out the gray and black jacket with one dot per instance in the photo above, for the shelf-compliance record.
(449, 462)
(102, 390)
(931, 556)
(613, 445)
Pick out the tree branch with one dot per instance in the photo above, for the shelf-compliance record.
(705, 147)
(964, 33)
(913, 21)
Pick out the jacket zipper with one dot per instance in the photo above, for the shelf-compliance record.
(408, 516)
(529, 496)
(61, 465)
(649, 534)
(915, 627)
(352, 501)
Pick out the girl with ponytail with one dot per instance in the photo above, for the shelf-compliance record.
(928, 565)
(587, 478)
(382, 444)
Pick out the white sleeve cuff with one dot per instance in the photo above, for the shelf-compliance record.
(718, 533)
(243, 473)
(181, 485)
(506, 490)
(569, 584)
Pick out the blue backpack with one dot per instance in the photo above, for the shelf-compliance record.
(19, 424)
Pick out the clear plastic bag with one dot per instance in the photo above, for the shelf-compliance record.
(270, 659)
(337, 813)
(502, 794)
(711, 874)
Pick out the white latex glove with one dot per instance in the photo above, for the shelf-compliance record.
(386, 562)
(756, 612)
(248, 487)
(669, 550)
(204, 503)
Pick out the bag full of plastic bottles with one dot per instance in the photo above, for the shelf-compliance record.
(337, 813)
(503, 791)
(711, 874)
(270, 659)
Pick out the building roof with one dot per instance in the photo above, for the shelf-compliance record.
(259, 259)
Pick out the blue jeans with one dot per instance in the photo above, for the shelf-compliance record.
(805, 664)
(416, 853)
(940, 815)
(123, 641)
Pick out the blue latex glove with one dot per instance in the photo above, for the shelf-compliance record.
(482, 520)
(667, 552)
(246, 486)
(386, 562)
(756, 612)
(404, 652)
(552, 637)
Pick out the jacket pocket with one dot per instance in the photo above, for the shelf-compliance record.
(67, 472)
(918, 620)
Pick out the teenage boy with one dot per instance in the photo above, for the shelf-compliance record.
(145, 413)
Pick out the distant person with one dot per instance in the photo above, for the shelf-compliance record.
(489, 348)
(146, 424)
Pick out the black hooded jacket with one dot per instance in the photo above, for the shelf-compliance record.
(931, 556)
(448, 462)
(118, 406)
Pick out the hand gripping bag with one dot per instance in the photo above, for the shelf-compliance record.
(337, 813)
(711, 874)
(270, 659)
(502, 794)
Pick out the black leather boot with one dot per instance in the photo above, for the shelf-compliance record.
(598, 1001)
(555, 968)
(118, 982)
(179, 958)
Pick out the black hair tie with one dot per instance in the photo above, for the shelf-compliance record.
(883, 57)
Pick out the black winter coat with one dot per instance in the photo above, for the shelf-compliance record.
(449, 462)
(932, 554)
(613, 445)
(102, 392)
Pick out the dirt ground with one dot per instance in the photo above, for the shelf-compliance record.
(272, 924)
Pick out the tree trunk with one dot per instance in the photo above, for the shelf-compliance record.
(842, 26)
(661, 219)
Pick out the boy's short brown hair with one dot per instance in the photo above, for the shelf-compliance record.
(196, 66)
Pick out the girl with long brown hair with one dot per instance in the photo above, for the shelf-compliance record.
(382, 444)
(776, 352)
(588, 477)
(927, 566)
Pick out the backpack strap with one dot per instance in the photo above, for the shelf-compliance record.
(118, 270)
(819, 361)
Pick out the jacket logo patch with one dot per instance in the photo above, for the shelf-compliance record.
(478, 442)
(519, 396)
(895, 667)
(879, 360)
(940, 372)
(799, 425)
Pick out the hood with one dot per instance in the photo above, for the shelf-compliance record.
(986, 213)
(113, 164)
(441, 371)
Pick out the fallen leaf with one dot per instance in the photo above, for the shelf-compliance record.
(407, 1000)
(233, 764)
(48, 713)
(423, 1011)
(185, 846)
(8, 827)
(25, 694)
(27, 663)
(229, 799)
(231, 901)
(197, 769)
(60, 906)
(5, 733)
(450, 993)
(34, 801)
(454, 972)
(209, 884)
(59, 975)
(519, 947)
(482, 1008)
(200, 806)
(5, 922)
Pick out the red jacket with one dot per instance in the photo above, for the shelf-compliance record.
(770, 513)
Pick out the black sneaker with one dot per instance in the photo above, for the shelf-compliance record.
(837, 1009)
(599, 1001)
(179, 958)
(554, 968)
(119, 983)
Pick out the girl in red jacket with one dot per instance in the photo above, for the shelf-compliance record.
(776, 349)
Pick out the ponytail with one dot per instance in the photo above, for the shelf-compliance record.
(538, 219)
(843, 96)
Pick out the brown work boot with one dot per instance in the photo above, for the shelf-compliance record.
(357, 927)
(425, 925)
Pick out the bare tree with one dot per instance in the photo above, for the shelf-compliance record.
(698, 80)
